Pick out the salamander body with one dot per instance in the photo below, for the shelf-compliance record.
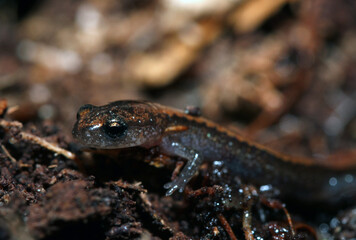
(125, 124)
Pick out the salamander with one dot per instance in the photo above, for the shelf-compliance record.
(125, 124)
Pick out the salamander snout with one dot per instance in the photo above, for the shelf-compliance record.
(83, 109)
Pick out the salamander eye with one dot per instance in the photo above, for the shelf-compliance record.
(115, 129)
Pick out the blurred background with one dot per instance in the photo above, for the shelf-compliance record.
(280, 72)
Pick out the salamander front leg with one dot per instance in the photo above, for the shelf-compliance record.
(194, 160)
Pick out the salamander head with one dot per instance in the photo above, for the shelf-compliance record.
(119, 124)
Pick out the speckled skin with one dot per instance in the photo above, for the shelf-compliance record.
(145, 124)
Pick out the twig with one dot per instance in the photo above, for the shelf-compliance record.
(12, 109)
(8, 154)
(8, 124)
(275, 204)
(227, 226)
(250, 194)
(50, 146)
(37, 140)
